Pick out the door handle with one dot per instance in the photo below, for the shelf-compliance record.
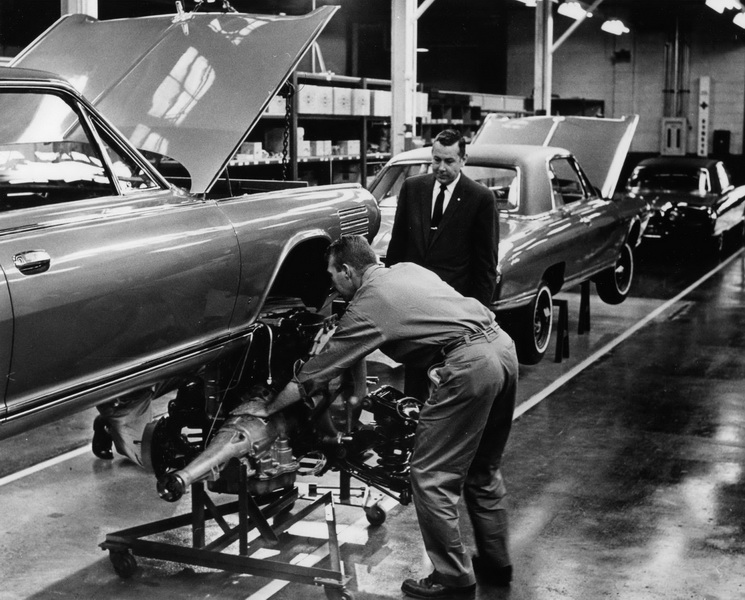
(32, 261)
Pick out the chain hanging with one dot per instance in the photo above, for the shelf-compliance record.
(289, 93)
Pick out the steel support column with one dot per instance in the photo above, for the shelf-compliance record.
(85, 7)
(403, 73)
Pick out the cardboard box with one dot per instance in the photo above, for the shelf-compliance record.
(349, 147)
(360, 102)
(342, 101)
(277, 107)
(315, 100)
(303, 148)
(320, 147)
(251, 149)
(381, 103)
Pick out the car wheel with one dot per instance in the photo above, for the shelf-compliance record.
(613, 284)
(530, 327)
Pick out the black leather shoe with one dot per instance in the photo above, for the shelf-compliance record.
(101, 444)
(427, 588)
(491, 575)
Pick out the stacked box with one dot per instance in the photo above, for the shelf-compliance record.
(361, 102)
(315, 100)
(349, 147)
(277, 107)
(320, 147)
(342, 101)
(249, 151)
(381, 103)
(303, 148)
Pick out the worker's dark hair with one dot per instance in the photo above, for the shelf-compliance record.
(352, 250)
(448, 137)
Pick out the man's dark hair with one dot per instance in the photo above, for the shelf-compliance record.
(353, 250)
(448, 137)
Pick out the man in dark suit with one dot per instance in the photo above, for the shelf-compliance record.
(447, 223)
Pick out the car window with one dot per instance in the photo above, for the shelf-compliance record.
(130, 175)
(502, 181)
(566, 182)
(689, 180)
(45, 153)
(388, 183)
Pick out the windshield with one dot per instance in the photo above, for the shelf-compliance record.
(690, 180)
(502, 181)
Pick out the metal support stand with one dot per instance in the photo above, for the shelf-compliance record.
(584, 308)
(562, 331)
(124, 545)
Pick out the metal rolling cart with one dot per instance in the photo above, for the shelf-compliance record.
(125, 545)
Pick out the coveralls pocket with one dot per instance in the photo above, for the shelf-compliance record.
(451, 387)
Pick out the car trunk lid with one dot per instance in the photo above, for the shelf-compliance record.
(600, 145)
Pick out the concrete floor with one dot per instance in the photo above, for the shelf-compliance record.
(625, 470)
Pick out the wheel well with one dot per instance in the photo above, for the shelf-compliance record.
(554, 277)
(303, 274)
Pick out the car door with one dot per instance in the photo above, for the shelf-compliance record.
(110, 272)
(591, 220)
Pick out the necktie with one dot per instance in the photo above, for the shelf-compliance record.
(439, 201)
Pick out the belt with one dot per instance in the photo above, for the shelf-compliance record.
(485, 334)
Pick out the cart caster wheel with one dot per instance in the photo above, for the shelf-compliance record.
(375, 514)
(338, 593)
(124, 563)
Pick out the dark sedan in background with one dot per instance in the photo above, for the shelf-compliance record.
(691, 199)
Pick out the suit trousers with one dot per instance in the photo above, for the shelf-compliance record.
(462, 432)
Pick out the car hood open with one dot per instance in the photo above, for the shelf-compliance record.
(190, 87)
(600, 145)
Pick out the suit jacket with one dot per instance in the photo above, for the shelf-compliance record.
(463, 250)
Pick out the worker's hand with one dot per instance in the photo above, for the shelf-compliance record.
(261, 406)
(324, 335)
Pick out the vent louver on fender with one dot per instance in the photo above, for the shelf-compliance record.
(354, 221)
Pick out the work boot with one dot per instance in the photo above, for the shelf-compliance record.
(491, 574)
(428, 588)
(101, 444)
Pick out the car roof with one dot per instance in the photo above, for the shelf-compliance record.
(16, 73)
(679, 161)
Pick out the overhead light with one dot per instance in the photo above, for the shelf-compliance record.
(739, 19)
(528, 3)
(573, 10)
(615, 26)
(422, 50)
(721, 5)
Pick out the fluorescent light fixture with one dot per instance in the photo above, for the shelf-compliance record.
(615, 26)
(721, 5)
(739, 19)
(573, 10)
(528, 3)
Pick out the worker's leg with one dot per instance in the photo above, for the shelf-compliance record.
(448, 435)
(484, 488)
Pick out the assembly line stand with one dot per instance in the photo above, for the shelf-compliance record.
(124, 545)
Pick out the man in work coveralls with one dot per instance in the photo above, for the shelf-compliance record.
(412, 316)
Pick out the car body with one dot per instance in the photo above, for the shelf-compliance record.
(113, 279)
(691, 198)
(556, 228)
